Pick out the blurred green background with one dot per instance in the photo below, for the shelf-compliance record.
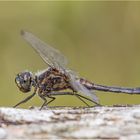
(100, 39)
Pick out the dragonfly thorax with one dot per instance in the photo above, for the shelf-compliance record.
(24, 81)
(50, 80)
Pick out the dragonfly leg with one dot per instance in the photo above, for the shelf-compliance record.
(25, 100)
(75, 94)
(78, 95)
(67, 93)
(52, 99)
(45, 101)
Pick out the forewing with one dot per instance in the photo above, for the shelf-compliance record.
(50, 55)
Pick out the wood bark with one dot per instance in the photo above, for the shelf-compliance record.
(105, 122)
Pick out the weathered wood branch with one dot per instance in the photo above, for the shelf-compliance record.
(118, 122)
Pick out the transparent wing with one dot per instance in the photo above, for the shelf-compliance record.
(56, 60)
(50, 55)
(80, 88)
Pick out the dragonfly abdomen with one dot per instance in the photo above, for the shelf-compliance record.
(91, 86)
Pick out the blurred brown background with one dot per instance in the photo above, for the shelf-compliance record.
(100, 39)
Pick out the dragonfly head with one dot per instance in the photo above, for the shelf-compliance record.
(23, 81)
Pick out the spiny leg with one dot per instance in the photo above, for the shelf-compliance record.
(45, 101)
(87, 99)
(66, 93)
(25, 100)
(76, 94)
(52, 99)
(82, 100)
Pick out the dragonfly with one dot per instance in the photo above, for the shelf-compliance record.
(58, 77)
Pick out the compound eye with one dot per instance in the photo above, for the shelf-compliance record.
(23, 81)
